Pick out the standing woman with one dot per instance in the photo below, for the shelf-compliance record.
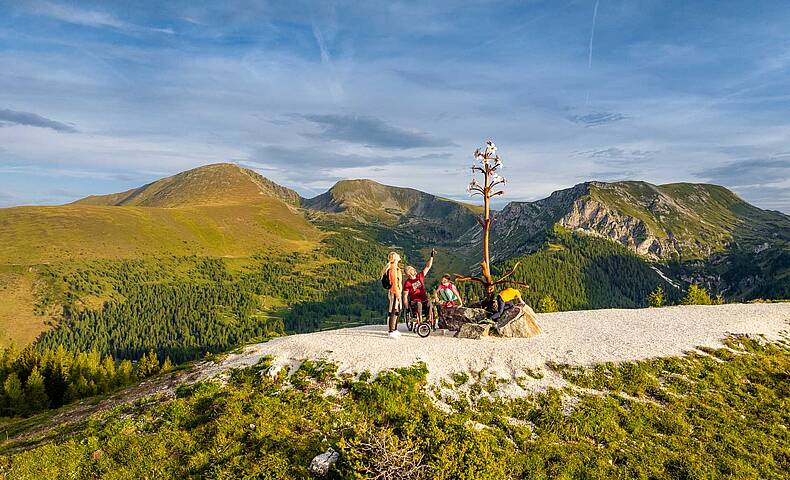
(394, 293)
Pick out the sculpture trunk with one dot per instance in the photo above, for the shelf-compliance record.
(485, 264)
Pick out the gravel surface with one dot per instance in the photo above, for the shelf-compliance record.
(579, 338)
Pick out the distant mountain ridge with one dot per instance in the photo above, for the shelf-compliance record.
(367, 201)
(662, 222)
(219, 183)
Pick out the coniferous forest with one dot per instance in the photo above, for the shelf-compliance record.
(182, 308)
(36, 379)
(579, 271)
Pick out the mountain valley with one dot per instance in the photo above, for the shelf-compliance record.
(296, 264)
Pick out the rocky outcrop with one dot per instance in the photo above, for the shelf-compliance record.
(661, 222)
(473, 330)
(593, 217)
(455, 317)
(517, 322)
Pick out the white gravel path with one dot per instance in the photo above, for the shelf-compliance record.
(579, 338)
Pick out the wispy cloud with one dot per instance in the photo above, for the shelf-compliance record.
(312, 163)
(617, 153)
(598, 118)
(753, 171)
(33, 120)
(592, 35)
(41, 170)
(370, 131)
(89, 18)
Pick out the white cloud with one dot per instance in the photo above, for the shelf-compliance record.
(89, 18)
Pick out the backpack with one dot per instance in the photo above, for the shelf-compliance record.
(385, 280)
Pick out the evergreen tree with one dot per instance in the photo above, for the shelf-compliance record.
(167, 365)
(14, 395)
(125, 372)
(696, 295)
(547, 304)
(657, 297)
(148, 365)
(35, 392)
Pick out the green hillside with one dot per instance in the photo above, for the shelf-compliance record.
(220, 183)
(214, 211)
(698, 233)
(215, 256)
(416, 213)
(707, 415)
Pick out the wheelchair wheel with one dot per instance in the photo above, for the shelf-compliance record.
(423, 330)
(409, 321)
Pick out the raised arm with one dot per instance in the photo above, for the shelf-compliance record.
(429, 263)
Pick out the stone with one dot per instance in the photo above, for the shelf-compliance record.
(321, 464)
(518, 322)
(452, 318)
(473, 330)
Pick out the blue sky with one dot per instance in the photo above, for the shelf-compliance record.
(97, 97)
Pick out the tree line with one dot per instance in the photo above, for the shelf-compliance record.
(185, 307)
(34, 379)
(575, 271)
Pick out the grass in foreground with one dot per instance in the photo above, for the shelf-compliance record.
(723, 414)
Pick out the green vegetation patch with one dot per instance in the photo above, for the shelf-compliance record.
(576, 271)
(723, 414)
(185, 307)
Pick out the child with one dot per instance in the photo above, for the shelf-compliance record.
(446, 293)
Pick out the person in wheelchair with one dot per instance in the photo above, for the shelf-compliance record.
(415, 294)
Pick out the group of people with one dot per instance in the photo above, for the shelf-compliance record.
(413, 293)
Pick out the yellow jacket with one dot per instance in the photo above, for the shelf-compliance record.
(509, 294)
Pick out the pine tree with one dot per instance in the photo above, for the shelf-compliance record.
(125, 373)
(35, 392)
(696, 295)
(167, 365)
(657, 297)
(547, 304)
(148, 365)
(15, 396)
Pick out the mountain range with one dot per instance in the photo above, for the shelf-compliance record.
(681, 233)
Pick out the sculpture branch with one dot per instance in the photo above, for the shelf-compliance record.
(463, 278)
(508, 274)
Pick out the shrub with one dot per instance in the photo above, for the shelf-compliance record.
(696, 295)
(657, 298)
(547, 304)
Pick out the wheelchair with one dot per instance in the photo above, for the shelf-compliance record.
(415, 322)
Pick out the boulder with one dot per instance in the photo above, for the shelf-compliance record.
(519, 322)
(321, 464)
(452, 318)
(473, 330)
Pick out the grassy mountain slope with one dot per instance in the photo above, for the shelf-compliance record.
(679, 220)
(418, 213)
(214, 211)
(32, 235)
(712, 414)
(264, 255)
(705, 232)
(220, 183)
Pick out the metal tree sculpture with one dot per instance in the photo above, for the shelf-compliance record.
(487, 162)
